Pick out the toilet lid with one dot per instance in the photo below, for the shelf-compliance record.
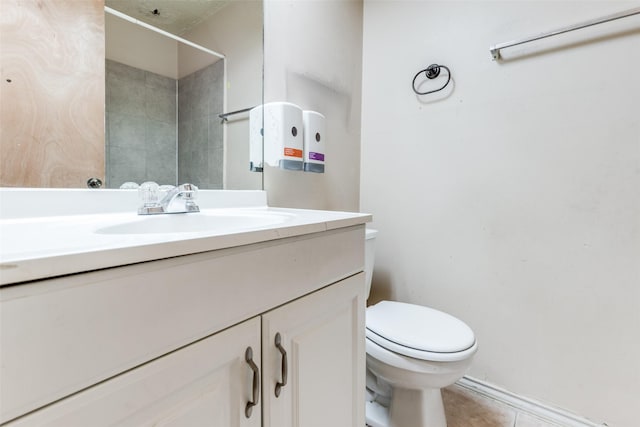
(418, 327)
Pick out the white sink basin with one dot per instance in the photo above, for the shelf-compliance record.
(54, 232)
(199, 222)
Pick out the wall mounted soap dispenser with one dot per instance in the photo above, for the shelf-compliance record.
(282, 133)
(314, 141)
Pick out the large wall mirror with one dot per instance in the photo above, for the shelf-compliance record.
(169, 69)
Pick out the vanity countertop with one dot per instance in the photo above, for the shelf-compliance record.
(55, 244)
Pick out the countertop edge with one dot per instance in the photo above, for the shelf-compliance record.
(46, 267)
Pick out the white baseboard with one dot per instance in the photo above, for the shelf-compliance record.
(522, 404)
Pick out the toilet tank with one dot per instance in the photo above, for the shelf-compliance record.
(369, 256)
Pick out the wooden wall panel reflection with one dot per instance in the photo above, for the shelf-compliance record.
(51, 92)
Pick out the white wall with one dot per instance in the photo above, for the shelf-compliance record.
(236, 32)
(513, 200)
(313, 58)
(191, 59)
(139, 47)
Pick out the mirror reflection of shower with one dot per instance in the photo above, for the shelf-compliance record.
(163, 95)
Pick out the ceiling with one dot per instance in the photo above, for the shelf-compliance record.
(174, 16)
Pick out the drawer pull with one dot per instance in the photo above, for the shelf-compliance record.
(284, 366)
(248, 356)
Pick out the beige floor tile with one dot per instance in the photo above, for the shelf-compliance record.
(467, 409)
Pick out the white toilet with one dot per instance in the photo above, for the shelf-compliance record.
(412, 352)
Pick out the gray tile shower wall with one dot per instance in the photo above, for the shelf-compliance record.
(141, 131)
(200, 142)
(143, 140)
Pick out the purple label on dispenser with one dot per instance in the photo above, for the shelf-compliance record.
(316, 156)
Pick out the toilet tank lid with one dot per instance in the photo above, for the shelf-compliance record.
(419, 327)
(370, 233)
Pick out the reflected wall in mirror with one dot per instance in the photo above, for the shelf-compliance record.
(217, 155)
(163, 98)
(183, 141)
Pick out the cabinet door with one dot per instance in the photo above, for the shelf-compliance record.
(323, 337)
(207, 383)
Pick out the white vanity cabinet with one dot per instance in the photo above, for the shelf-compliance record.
(165, 343)
(320, 352)
(205, 384)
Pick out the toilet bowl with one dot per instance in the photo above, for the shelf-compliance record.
(412, 352)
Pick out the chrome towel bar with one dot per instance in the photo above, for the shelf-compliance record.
(495, 49)
(224, 116)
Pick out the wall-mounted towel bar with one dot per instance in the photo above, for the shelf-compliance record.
(495, 49)
(224, 116)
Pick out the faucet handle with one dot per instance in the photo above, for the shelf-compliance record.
(149, 194)
(190, 196)
(191, 191)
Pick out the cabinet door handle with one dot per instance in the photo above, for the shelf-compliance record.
(284, 366)
(248, 356)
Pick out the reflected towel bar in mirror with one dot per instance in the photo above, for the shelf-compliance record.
(224, 116)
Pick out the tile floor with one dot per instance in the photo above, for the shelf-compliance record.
(465, 408)
(468, 409)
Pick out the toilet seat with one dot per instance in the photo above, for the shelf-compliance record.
(408, 329)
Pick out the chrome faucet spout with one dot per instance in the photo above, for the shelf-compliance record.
(180, 199)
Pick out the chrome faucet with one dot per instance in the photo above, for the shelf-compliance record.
(180, 199)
